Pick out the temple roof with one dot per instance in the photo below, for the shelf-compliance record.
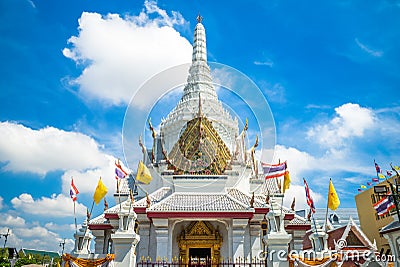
(200, 149)
(232, 203)
(351, 233)
(200, 202)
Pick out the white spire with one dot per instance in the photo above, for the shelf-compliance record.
(199, 87)
(199, 79)
(199, 42)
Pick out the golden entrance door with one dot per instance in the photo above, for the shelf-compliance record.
(200, 244)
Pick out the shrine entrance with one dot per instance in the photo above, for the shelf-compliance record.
(200, 244)
(200, 256)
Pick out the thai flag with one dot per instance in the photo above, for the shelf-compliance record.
(274, 170)
(384, 205)
(120, 173)
(310, 201)
(377, 168)
(73, 191)
(375, 180)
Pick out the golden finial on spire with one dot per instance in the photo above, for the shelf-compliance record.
(199, 18)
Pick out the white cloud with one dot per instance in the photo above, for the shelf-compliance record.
(86, 180)
(351, 120)
(32, 235)
(11, 221)
(119, 54)
(298, 192)
(59, 227)
(55, 206)
(372, 52)
(40, 151)
(298, 161)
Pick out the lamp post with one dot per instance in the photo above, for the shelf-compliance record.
(395, 195)
(62, 244)
(6, 237)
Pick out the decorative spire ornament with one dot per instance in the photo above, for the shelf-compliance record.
(199, 18)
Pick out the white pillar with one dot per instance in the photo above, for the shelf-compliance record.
(277, 239)
(255, 236)
(238, 231)
(99, 241)
(82, 240)
(161, 229)
(125, 239)
(144, 232)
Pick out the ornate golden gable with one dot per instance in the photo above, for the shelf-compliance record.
(199, 150)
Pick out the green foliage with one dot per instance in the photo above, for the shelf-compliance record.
(25, 261)
(4, 262)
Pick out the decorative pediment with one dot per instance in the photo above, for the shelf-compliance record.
(200, 150)
(200, 229)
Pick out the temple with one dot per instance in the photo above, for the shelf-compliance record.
(207, 199)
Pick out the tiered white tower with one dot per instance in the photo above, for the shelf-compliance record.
(199, 84)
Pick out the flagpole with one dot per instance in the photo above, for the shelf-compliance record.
(327, 205)
(91, 209)
(119, 195)
(76, 225)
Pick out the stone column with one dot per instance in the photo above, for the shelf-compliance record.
(144, 232)
(125, 239)
(161, 229)
(255, 235)
(82, 240)
(99, 244)
(277, 239)
(319, 241)
(238, 231)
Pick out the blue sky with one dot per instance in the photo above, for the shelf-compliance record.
(330, 71)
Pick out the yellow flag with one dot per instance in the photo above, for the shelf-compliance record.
(286, 181)
(333, 199)
(101, 191)
(143, 174)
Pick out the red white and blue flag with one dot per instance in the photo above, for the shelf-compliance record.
(73, 191)
(310, 201)
(377, 168)
(375, 180)
(384, 205)
(274, 170)
(120, 173)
